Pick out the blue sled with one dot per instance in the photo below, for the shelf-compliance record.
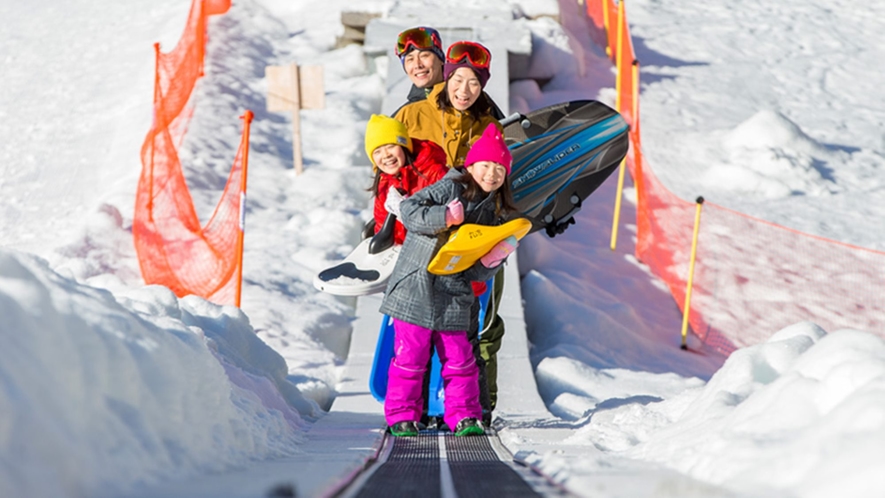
(384, 355)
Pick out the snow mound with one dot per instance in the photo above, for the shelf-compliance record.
(771, 157)
(768, 129)
(99, 394)
(583, 388)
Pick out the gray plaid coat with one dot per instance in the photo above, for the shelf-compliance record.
(414, 295)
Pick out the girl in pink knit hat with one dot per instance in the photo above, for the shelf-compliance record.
(488, 163)
(429, 309)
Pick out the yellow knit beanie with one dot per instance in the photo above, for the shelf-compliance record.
(382, 130)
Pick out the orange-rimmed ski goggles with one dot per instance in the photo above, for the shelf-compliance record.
(476, 54)
(421, 38)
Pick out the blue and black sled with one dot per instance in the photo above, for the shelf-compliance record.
(561, 155)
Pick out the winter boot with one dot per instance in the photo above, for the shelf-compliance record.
(469, 427)
(405, 428)
(433, 423)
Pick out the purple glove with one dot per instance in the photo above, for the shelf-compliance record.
(454, 213)
(500, 252)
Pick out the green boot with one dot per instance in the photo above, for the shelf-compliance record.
(469, 427)
(404, 429)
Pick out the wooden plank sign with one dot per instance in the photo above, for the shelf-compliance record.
(292, 88)
(313, 93)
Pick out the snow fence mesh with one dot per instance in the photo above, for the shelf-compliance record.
(751, 277)
(173, 249)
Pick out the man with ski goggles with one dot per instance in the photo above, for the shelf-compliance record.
(421, 54)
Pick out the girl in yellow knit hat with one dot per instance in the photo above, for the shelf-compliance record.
(402, 166)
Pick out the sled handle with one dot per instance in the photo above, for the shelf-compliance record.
(525, 123)
(384, 238)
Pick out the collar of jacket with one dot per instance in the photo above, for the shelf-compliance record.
(417, 94)
(473, 205)
(435, 91)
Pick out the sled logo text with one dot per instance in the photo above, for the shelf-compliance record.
(528, 175)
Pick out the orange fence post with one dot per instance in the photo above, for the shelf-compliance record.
(247, 120)
(634, 126)
(686, 309)
(619, 78)
(606, 24)
(637, 145)
(593, 9)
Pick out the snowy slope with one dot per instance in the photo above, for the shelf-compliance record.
(769, 108)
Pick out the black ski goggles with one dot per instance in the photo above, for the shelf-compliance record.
(418, 38)
(476, 54)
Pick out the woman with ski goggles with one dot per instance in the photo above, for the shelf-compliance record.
(457, 110)
(476, 54)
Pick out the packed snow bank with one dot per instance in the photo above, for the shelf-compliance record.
(603, 331)
(803, 412)
(99, 394)
(564, 65)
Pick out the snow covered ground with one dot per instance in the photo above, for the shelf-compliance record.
(107, 386)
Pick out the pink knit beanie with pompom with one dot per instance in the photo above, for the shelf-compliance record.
(490, 147)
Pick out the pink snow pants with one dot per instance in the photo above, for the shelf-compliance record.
(405, 378)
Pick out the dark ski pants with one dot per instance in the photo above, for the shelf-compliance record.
(490, 340)
(473, 336)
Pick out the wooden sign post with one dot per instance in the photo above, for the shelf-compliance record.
(292, 88)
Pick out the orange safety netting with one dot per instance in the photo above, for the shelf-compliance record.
(751, 277)
(173, 249)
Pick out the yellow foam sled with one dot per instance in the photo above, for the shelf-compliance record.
(470, 242)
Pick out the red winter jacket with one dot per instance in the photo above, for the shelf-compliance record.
(428, 167)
